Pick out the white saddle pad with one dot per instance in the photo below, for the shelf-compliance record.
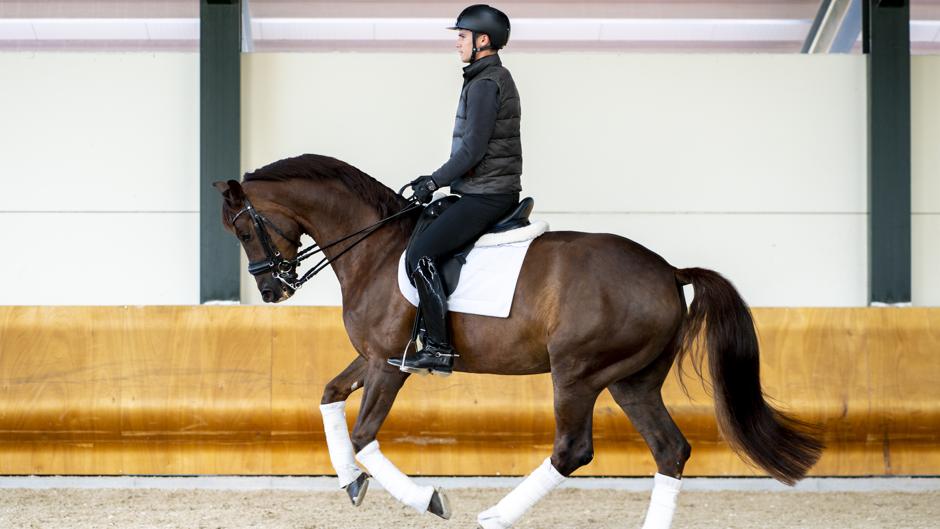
(488, 280)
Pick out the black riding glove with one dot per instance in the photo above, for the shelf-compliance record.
(423, 188)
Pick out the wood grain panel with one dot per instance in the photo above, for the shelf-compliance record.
(194, 373)
(235, 390)
(54, 378)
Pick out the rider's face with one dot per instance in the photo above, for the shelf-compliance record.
(465, 44)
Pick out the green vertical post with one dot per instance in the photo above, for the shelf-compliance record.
(219, 143)
(887, 43)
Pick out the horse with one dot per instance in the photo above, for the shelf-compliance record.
(595, 310)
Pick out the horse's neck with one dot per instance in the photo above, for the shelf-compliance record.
(328, 217)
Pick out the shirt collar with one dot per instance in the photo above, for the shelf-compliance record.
(471, 70)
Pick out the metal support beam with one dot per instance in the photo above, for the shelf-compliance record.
(837, 26)
(886, 38)
(219, 140)
(248, 42)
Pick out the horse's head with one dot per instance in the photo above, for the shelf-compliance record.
(268, 233)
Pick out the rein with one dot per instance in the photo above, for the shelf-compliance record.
(285, 270)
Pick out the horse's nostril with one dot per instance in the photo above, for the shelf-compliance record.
(267, 295)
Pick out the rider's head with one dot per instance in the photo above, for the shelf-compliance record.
(481, 31)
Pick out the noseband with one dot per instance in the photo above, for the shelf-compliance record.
(285, 270)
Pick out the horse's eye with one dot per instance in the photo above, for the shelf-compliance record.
(245, 237)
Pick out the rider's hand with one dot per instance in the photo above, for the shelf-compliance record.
(423, 187)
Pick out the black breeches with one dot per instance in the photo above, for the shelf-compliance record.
(461, 224)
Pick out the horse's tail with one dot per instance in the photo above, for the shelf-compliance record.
(781, 445)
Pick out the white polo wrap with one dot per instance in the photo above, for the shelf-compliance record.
(532, 489)
(338, 443)
(400, 486)
(662, 502)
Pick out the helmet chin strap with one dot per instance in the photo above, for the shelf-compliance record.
(473, 54)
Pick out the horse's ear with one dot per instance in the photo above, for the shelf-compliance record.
(232, 191)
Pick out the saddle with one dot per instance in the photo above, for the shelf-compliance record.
(450, 268)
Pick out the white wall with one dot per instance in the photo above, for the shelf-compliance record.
(99, 176)
(753, 165)
(925, 179)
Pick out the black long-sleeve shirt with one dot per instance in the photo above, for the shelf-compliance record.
(482, 106)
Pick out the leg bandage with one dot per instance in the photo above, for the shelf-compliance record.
(662, 502)
(400, 486)
(338, 443)
(532, 489)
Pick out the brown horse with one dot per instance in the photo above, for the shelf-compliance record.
(596, 310)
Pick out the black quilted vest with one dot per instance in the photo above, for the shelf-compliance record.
(500, 169)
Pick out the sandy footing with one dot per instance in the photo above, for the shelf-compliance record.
(567, 508)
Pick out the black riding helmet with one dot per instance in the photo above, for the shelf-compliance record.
(481, 18)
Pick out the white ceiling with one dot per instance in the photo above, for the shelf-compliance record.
(663, 25)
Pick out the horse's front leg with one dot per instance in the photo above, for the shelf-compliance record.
(333, 410)
(382, 385)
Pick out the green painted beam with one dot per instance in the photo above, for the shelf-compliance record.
(219, 143)
(886, 41)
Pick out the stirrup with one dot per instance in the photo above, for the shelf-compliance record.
(404, 358)
(416, 341)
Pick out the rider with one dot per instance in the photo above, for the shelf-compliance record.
(484, 168)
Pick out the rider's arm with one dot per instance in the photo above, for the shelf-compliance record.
(482, 105)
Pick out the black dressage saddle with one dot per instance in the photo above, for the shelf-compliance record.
(450, 269)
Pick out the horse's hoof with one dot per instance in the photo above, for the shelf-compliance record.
(357, 489)
(439, 504)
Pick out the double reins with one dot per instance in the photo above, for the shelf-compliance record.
(285, 270)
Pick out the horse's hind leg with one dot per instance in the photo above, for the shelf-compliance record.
(574, 448)
(333, 410)
(639, 396)
(382, 385)
(651, 419)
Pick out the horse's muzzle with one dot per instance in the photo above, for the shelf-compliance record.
(273, 290)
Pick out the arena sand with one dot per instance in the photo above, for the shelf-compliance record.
(565, 508)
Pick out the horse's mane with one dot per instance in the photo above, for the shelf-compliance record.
(318, 167)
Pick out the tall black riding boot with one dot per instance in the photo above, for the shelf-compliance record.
(436, 354)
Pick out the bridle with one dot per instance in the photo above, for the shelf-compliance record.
(285, 270)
